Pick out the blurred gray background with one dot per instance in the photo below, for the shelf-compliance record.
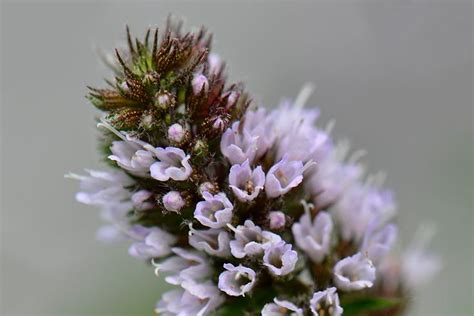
(396, 76)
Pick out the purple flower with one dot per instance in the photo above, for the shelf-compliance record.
(236, 281)
(238, 147)
(281, 308)
(250, 240)
(260, 125)
(245, 183)
(131, 155)
(103, 188)
(277, 220)
(418, 266)
(333, 177)
(202, 301)
(141, 200)
(325, 303)
(212, 241)
(284, 176)
(359, 206)
(354, 273)
(314, 237)
(173, 163)
(186, 265)
(279, 258)
(110, 234)
(215, 211)
(155, 243)
(377, 243)
(173, 201)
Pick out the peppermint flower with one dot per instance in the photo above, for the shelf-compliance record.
(103, 188)
(238, 147)
(377, 243)
(284, 176)
(141, 199)
(245, 182)
(281, 308)
(173, 164)
(156, 243)
(314, 237)
(279, 258)
(354, 273)
(130, 155)
(212, 241)
(251, 240)
(222, 205)
(201, 302)
(237, 280)
(215, 211)
(187, 265)
(326, 303)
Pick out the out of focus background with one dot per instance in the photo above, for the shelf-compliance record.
(396, 75)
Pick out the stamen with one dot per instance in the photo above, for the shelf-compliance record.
(236, 231)
(307, 207)
(106, 125)
(356, 156)
(74, 176)
(308, 165)
(304, 95)
(330, 126)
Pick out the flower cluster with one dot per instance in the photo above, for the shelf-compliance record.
(244, 210)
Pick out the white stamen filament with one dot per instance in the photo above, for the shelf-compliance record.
(304, 95)
(106, 125)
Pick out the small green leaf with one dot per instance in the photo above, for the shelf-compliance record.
(367, 304)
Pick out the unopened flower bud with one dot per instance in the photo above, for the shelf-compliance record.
(232, 99)
(277, 220)
(148, 79)
(176, 133)
(200, 83)
(200, 148)
(207, 187)
(215, 63)
(173, 201)
(164, 100)
(219, 124)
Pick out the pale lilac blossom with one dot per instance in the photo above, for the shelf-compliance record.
(237, 280)
(250, 240)
(103, 187)
(281, 308)
(279, 258)
(326, 303)
(130, 155)
(155, 243)
(173, 164)
(215, 211)
(141, 200)
(284, 176)
(354, 273)
(214, 242)
(245, 182)
(314, 236)
(237, 147)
